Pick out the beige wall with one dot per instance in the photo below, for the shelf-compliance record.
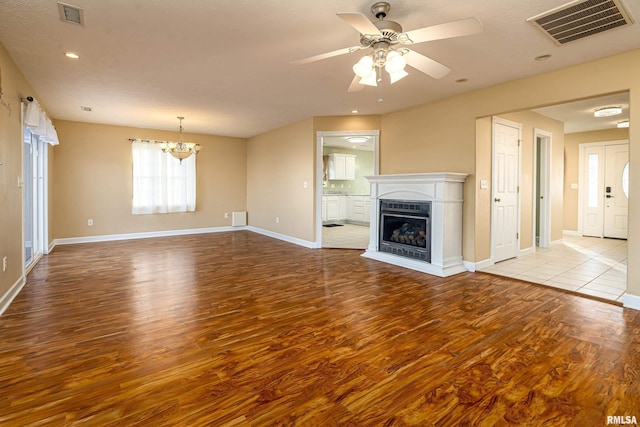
(572, 142)
(93, 179)
(279, 162)
(13, 86)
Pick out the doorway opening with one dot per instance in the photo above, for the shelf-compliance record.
(542, 170)
(345, 159)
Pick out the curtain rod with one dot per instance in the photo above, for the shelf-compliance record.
(147, 140)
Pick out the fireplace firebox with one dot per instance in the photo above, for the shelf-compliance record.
(405, 228)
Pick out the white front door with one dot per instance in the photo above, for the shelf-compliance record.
(606, 182)
(506, 163)
(616, 191)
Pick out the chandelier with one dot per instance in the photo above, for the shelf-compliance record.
(383, 56)
(180, 150)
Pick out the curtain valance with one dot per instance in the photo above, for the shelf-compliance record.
(39, 124)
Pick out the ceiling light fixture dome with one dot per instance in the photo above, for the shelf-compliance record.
(357, 139)
(607, 111)
(623, 124)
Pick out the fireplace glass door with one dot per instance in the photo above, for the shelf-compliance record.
(405, 229)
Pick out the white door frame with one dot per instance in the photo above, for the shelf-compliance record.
(582, 183)
(545, 186)
(501, 121)
(375, 134)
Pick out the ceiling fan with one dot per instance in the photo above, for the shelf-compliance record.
(387, 40)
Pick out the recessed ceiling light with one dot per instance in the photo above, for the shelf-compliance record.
(357, 139)
(607, 111)
(86, 108)
(71, 55)
(355, 111)
(542, 57)
(623, 124)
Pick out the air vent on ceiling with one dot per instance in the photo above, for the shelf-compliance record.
(580, 19)
(71, 14)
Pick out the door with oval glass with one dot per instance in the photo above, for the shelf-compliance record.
(616, 190)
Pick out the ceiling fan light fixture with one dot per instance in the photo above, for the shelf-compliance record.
(369, 80)
(395, 62)
(394, 77)
(623, 124)
(607, 111)
(364, 67)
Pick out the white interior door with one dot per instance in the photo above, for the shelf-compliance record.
(506, 161)
(616, 191)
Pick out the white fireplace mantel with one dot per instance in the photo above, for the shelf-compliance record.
(444, 190)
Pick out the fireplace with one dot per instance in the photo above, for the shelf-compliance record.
(405, 228)
(409, 207)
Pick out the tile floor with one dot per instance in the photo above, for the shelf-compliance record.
(349, 236)
(586, 265)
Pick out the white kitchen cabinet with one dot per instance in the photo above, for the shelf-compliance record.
(324, 209)
(333, 208)
(342, 166)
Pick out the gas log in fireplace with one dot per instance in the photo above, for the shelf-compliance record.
(405, 228)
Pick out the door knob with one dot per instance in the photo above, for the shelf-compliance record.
(496, 199)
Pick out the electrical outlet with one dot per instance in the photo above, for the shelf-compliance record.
(277, 220)
(226, 215)
(90, 222)
(4, 264)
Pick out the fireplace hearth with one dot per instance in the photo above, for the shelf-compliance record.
(417, 221)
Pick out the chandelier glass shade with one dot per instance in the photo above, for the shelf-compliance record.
(180, 150)
(392, 61)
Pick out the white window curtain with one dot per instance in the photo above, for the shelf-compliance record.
(161, 184)
(39, 124)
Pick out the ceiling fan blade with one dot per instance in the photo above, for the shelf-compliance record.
(355, 85)
(360, 22)
(325, 55)
(426, 65)
(463, 27)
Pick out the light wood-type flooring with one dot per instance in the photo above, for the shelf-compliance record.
(238, 329)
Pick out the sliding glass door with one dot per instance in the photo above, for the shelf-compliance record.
(33, 181)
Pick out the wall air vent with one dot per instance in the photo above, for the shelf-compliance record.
(582, 18)
(71, 14)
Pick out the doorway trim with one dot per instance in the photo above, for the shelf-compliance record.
(542, 192)
(375, 134)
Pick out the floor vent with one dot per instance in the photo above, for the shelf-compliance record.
(71, 14)
(580, 19)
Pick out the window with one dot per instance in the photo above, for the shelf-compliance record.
(161, 184)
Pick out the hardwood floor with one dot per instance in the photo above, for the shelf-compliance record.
(238, 329)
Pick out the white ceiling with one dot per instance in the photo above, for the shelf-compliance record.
(224, 65)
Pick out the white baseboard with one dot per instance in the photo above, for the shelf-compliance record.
(526, 251)
(8, 297)
(294, 240)
(631, 301)
(129, 236)
(475, 266)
